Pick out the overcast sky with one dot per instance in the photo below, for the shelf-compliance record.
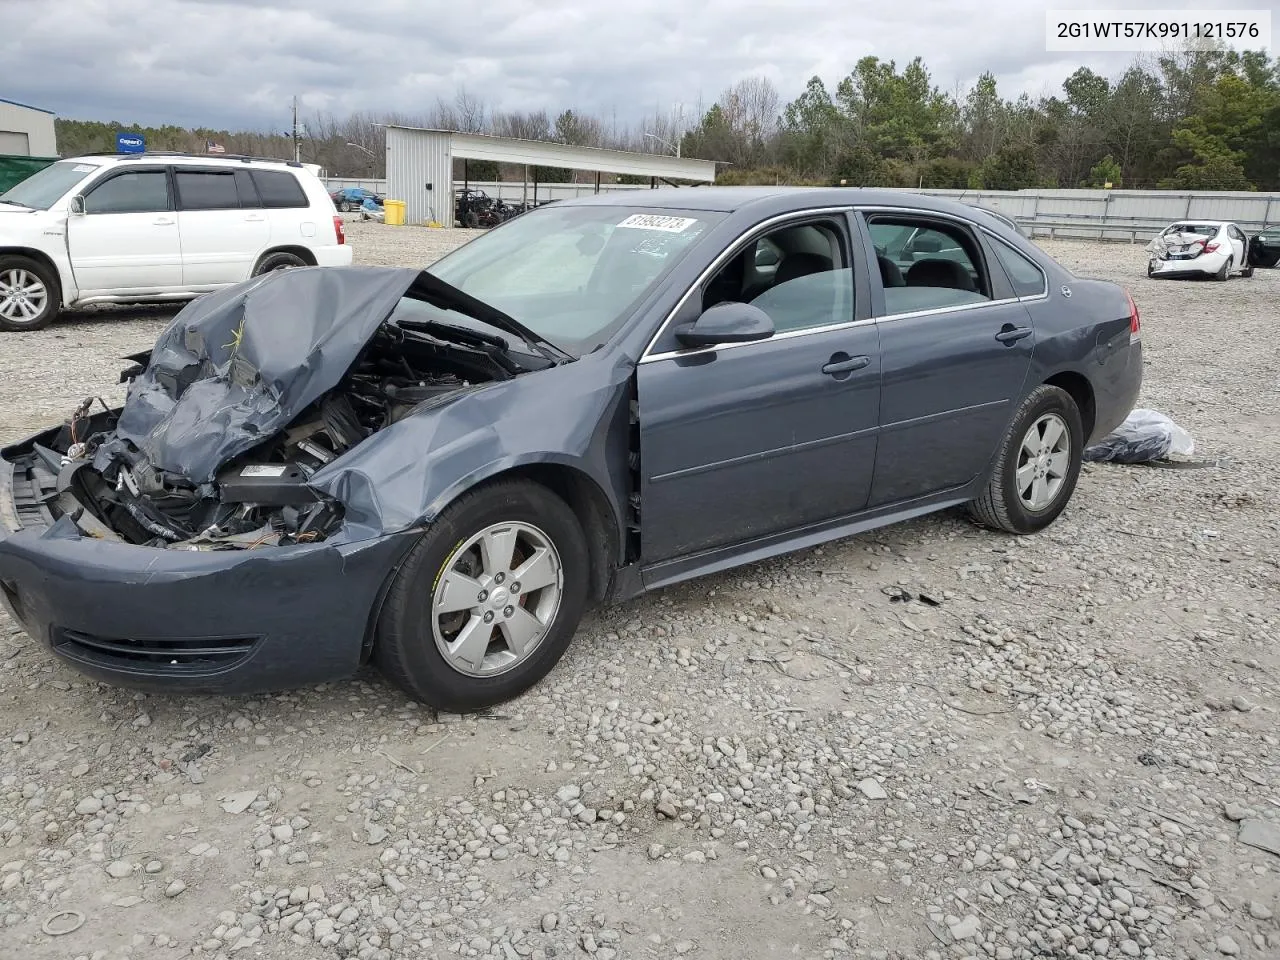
(236, 63)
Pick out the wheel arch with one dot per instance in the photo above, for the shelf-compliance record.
(42, 258)
(1079, 388)
(298, 251)
(577, 488)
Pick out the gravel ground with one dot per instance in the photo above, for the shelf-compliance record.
(1055, 746)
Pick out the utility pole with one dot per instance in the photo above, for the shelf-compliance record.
(297, 141)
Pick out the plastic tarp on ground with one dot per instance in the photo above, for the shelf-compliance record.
(235, 367)
(15, 169)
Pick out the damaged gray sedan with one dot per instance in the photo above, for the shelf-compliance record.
(439, 471)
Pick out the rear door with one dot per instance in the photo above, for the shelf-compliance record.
(1239, 247)
(223, 225)
(127, 241)
(746, 441)
(956, 349)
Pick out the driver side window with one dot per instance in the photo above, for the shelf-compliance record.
(799, 275)
(141, 191)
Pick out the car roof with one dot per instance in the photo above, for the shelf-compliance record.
(179, 159)
(731, 199)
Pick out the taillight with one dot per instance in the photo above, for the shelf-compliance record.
(1135, 321)
(1210, 247)
(337, 228)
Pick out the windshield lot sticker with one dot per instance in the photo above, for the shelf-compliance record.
(646, 221)
(83, 168)
(263, 470)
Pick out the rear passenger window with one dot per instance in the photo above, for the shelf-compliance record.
(927, 265)
(1028, 279)
(279, 189)
(207, 190)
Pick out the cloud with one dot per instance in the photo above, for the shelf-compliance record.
(238, 63)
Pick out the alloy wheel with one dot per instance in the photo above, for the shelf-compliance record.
(1044, 458)
(23, 295)
(496, 597)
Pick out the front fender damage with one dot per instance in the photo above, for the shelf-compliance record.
(296, 408)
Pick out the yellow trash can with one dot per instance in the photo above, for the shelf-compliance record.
(394, 212)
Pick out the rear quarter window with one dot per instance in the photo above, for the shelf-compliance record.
(1027, 278)
(280, 190)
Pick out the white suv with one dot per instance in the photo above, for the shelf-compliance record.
(149, 227)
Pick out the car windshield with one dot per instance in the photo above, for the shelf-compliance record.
(46, 187)
(1198, 229)
(572, 274)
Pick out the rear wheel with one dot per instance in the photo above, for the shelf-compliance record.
(1225, 271)
(29, 294)
(279, 261)
(1037, 467)
(488, 600)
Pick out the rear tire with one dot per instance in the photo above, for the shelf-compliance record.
(459, 561)
(1010, 502)
(279, 261)
(1225, 272)
(30, 296)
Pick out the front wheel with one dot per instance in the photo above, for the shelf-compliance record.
(1037, 467)
(29, 294)
(488, 600)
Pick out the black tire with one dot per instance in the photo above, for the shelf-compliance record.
(1000, 506)
(406, 651)
(1247, 271)
(1151, 271)
(1225, 272)
(278, 261)
(53, 294)
(473, 220)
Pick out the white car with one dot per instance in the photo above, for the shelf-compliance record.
(154, 227)
(1199, 248)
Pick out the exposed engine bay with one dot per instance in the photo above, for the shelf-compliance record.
(115, 469)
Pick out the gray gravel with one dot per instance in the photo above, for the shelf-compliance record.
(1059, 759)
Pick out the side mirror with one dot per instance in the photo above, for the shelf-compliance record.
(75, 206)
(730, 322)
(926, 245)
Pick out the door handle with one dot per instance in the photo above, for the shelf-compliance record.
(847, 365)
(163, 221)
(1011, 334)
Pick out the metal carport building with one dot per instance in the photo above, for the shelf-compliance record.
(420, 165)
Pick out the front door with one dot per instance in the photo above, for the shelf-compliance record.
(223, 225)
(741, 442)
(956, 348)
(126, 242)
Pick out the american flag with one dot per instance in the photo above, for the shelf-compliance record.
(211, 147)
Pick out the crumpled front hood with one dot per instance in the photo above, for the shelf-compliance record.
(236, 366)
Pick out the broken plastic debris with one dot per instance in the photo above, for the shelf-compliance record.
(1260, 834)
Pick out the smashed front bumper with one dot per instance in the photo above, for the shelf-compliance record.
(223, 622)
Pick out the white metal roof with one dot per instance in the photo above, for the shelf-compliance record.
(475, 146)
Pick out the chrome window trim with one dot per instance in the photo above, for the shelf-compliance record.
(785, 335)
(647, 357)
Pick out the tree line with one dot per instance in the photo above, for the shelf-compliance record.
(1198, 119)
